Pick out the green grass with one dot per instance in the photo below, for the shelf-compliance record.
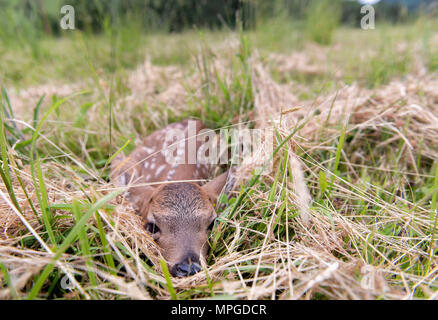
(323, 18)
(371, 204)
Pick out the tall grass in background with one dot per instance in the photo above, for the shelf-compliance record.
(119, 37)
(322, 19)
(18, 30)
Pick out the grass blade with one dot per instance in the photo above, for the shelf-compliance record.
(85, 246)
(8, 281)
(168, 279)
(72, 236)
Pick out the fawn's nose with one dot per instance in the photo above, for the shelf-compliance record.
(186, 268)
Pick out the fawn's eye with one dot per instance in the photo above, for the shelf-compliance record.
(210, 227)
(152, 228)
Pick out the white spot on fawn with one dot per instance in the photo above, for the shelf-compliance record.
(170, 174)
(148, 150)
(161, 168)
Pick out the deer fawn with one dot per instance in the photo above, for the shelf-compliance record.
(178, 211)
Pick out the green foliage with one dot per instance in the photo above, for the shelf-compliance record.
(323, 17)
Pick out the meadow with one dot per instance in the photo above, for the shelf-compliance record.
(349, 210)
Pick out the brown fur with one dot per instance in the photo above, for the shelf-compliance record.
(181, 211)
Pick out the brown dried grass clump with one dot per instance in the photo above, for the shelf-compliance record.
(122, 226)
(310, 61)
(398, 106)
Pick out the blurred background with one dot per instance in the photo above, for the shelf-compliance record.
(29, 29)
(42, 16)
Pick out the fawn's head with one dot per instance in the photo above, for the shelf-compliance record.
(179, 217)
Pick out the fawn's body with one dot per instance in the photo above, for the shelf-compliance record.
(178, 211)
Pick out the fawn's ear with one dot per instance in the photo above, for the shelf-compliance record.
(215, 186)
(124, 173)
(140, 197)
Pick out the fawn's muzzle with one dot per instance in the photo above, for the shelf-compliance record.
(188, 267)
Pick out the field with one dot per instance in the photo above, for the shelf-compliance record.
(349, 210)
